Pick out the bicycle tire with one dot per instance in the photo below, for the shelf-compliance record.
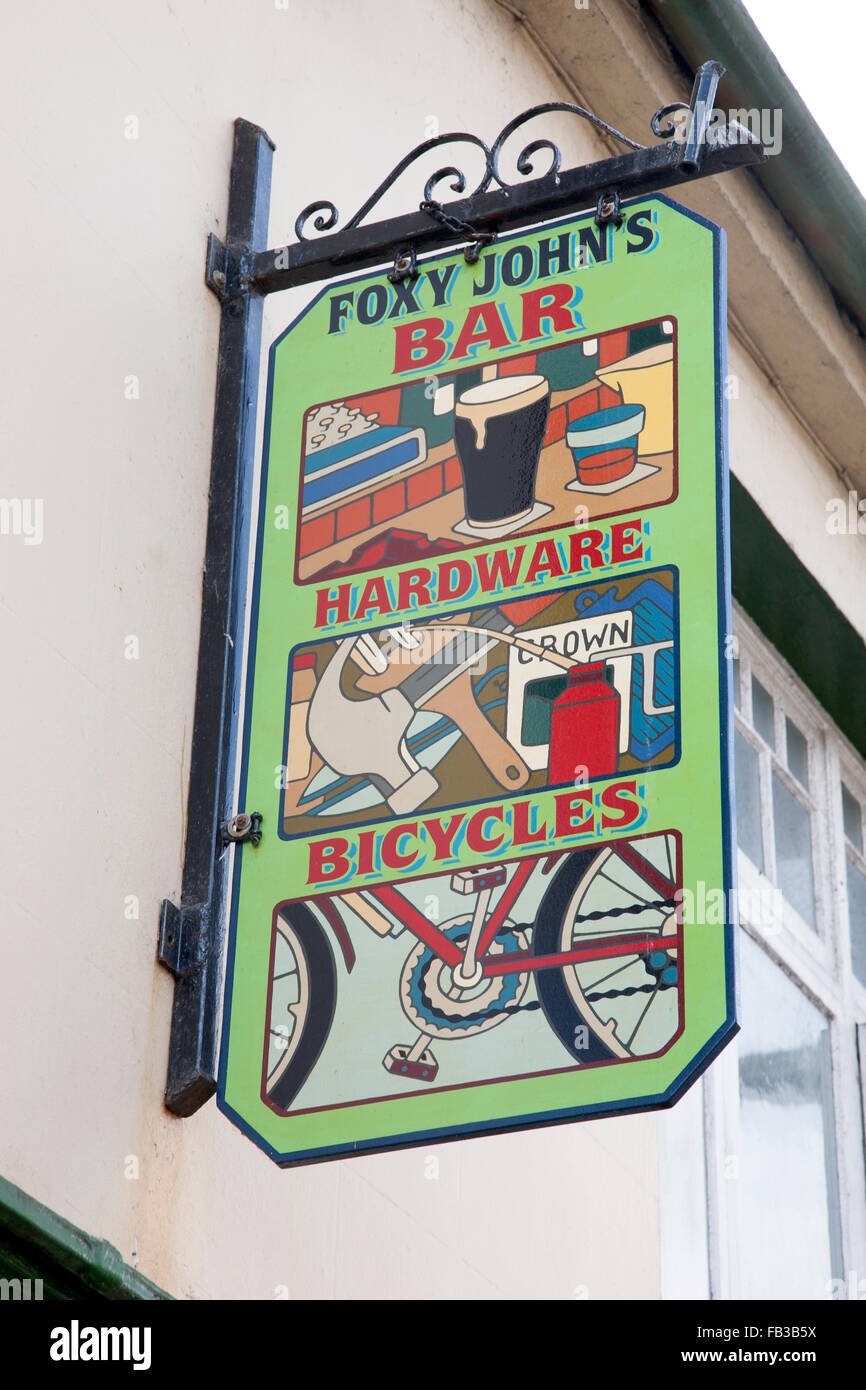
(556, 1002)
(309, 942)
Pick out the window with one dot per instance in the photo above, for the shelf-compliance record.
(782, 1149)
(788, 1212)
(855, 880)
(777, 750)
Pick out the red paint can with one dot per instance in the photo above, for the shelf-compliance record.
(584, 726)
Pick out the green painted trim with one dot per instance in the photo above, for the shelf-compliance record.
(36, 1243)
(798, 616)
(806, 180)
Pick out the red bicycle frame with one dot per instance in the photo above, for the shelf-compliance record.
(591, 948)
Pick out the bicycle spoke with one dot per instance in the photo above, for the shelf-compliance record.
(644, 1012)
(649, 894)
(626, 965)
(610, 913)
(621, 887)
(595, 996)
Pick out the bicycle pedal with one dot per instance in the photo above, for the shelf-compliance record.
(424, 1068)
(475, 880)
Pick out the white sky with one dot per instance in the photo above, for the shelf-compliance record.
(820, 44)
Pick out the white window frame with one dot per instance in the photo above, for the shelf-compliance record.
(817, 961)
(852, 771)
(756, 658)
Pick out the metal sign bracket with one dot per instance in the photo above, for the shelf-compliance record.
(241, 271)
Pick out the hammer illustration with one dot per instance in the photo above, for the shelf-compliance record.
(368, 737)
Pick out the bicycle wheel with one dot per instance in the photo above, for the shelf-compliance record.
(303, 999)
(614, 1006)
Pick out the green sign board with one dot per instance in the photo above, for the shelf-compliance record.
(487, 713)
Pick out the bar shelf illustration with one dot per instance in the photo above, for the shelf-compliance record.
(489, 451)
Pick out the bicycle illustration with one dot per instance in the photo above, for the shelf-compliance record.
(589, 940)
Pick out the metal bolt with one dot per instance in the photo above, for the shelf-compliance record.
(242, 829)
(219, 278)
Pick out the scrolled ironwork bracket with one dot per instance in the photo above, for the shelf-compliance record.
(496, 205)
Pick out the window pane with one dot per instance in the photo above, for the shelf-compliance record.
(788, 1211)
(736, 682)
(793, 829)
(852, 818)
(857, 920)
(762, 712)
(748, 796)
(798, 753)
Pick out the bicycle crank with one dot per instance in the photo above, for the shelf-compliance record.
(436, 1001)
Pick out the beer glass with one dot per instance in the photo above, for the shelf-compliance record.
(498, 431)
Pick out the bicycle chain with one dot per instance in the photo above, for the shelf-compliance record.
(608, 993)
(624, 911)
(535, 1004)
(631, 989)
(631, 910)
(593, 998)
(590, 998)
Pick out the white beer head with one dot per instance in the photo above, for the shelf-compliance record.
(498, 397)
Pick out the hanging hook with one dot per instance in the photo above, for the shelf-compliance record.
(608, 209)
(405, 266)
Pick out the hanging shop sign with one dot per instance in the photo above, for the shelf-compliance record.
(487, 723)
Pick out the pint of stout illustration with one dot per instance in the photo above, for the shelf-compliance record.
(498, 430)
